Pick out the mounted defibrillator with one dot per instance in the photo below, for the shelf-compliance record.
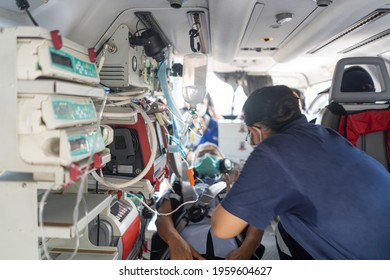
(138, 147)
(136, 135)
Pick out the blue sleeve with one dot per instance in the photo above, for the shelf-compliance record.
(211, 134)
(262, 190)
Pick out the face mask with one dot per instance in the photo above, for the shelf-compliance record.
(251, 142)
(207, 166)
(250, 136)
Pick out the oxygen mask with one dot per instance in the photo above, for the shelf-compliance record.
(207, 165)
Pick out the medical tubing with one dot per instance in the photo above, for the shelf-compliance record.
(172, 138)
(102, 58)
(162, 76)
(182, 142)
(166, 119)
(149, 164)
(160, 119)
(42, 204)
(80, 195)
(169, 213)
(126, 95)
(185, 123)
(119, 115)
(123, 100)
(191, 176)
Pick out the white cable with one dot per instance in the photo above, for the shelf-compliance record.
(80, 194)
(42, 204)
(119, 103)
(185, 161)
(196, 133)
(149, 164)
(124, 98)
(121, 116)
(101, 64)
(135, 92)
(166, 119)
(185, 123)
(165, 214)
(118, 98)
(160, 119)
(179, 119)
(103, 57)
(79, 197)
(147, 167)
(177, 140)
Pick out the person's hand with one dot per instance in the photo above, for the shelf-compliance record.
(230, 182)
(203, 124)
(249, 245)
(181, 250)
(195, 254)
(240, 253)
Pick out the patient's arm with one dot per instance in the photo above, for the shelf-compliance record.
(179, 249)
(249, 245)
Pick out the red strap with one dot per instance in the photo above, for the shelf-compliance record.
(353, 125)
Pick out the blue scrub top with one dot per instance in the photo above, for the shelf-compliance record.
(211, 133)
(332, 198)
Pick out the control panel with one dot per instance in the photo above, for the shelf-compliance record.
(52, 122)
(39, 56)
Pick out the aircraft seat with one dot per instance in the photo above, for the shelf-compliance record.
(362, 117)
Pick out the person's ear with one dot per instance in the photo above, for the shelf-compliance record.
(256, 135)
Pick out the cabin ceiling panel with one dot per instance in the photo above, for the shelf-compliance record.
(237, 28)
(263, 22)
(174, 24)
(323, 27)
(10, 5)
(359, 35)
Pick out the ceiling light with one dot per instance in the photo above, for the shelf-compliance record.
(323, 3)
(176, 3)
(283, 18)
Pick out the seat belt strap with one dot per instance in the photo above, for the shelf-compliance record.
(210, 193)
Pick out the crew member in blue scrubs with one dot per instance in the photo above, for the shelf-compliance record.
(333, 200)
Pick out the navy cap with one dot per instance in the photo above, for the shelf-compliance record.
(275, 106)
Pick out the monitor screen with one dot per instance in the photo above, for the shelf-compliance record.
(120, 142)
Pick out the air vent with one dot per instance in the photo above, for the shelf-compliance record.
(370, 40)
(113, 75)
(259, 49)
(149, 21)
(377, 14)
